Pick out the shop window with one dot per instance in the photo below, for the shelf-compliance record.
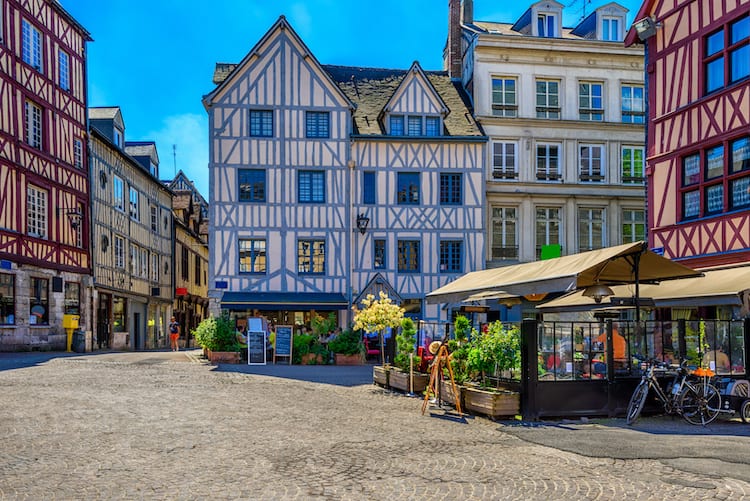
(39, 301)
(119, 314)
(7, 299)
(72, 304)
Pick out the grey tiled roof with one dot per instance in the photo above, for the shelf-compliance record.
(370, 89)
(506, 29)
(103, 112)
(140, 148)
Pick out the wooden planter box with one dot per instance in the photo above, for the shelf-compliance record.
(492, 404)
(224, 357)
(312, 359)
(380, 375)
(446, 393)
(355, 359)
(399, 380)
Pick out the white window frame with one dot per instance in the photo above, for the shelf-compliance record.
(118, 193)
(78, 153)
(119, 251)
(504, 107)
(552, 215)
(587, 224)
(144, 262)
(630, 177)
(134, 259)
(588, 170)
(154, 267)
(546, 110)
(117, 137)
(635, 113)
(36, 211)
(34, 125)
(504, 163)
(612, 29)
(63, 62)
(31, 50)
(549, 172)
(590, 111)
(631, 220)
(134, 199)
(547, 16)
(506, 218)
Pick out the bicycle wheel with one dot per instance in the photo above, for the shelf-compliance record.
(637, 401)
(745, 411)
(700, 404)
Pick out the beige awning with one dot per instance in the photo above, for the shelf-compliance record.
(717, 287)
(613, 265)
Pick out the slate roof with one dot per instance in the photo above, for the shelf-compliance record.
(140, 148)
(370, 89)
(507, 29)
(104, 113)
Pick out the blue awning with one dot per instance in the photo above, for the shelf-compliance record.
(292, 301)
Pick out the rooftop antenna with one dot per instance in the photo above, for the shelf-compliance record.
(174, 160)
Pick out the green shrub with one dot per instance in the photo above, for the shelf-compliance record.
(301, 345)
(348, 342)
(496, 351)
(405, 343)
(216, 334)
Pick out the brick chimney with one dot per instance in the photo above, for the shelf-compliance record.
(454, 39)
(468, 12)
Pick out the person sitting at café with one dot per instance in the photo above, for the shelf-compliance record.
(719, 359)
(619, 346)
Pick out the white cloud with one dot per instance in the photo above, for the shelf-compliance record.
(189, 134)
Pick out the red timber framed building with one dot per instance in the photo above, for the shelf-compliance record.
(698, 130)
(45, 263)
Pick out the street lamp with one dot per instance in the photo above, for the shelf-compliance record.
(362, 222)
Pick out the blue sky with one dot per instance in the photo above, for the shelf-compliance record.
(155, 58)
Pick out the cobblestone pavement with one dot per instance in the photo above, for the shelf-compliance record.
(161, 425)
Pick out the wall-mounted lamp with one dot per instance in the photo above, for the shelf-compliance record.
(362, 222)
(597, 292)
(74, 216)
(510, 302)
(646, 28)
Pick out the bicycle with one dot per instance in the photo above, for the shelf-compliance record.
(696, 404)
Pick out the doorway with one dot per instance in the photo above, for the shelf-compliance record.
(103, 332)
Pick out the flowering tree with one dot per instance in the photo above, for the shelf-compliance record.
(377, 315)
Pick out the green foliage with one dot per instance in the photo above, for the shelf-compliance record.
(496, 351)
(347, 343)
(406, 340)
(461, 328)
(321, 326)
(301, 345)
(217, 334)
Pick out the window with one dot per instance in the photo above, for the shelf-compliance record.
(155, 220)
(252, 185)
(72, 305)
(317, 124)
(261, 123)
(408, 256)
(633, 109)
(39, 301)
(153, 169)
(119, 252)
(715, 162)
(413, 126)
(119, 315)
(311, 256)
(548, 162)
(591, 163)
(78, 153)
(546, 25)
(432, 126)
(504, 161)
(78, 228)
(691, 170)
(252, 256)
(135, 210)
(691, 204)
(547, 228)
(504, 236)
(63, 61)
(611, 29)
(730, 43)
(33, 125)
(590, 101)
(451, 256)
(504, 97)
(144, 263)
(36, 212)
(714, 199)
(740, 155)
(32, 45)
(632, 164)
(184, 263)
(396, 125)
(118, 193)
(311, 187)
(368, 188)
(633, 225)
(450, 189)
(134, 258)
(154, 267)
(408, 188)
(590, 229)
(197, 270)
(117, 137)
(7, 297)
(548, 99)
(378, 255)
(739, 181)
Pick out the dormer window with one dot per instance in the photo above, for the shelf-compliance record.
(611, 29)
(546, 25)
(117, 137)
(152, 169)
(414, 125)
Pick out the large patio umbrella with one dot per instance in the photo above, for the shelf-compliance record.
(630, 263)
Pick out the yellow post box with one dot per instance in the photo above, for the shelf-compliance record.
(70, 323)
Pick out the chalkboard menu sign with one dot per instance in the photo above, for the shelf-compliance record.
(256, 348)
(282, 346)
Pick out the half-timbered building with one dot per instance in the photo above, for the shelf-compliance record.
(564, 112)
(698, 161)
(330, 182)
(45, 263)
(132, 237)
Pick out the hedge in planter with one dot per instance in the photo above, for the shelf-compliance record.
(405, 347)
(217, 336)
(348, 348)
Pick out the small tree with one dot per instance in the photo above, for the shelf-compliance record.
(217, 334)
(405, 343)
(377, 315)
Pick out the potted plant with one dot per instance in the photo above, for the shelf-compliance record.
(459, 352)
(307, 350)
(404, 378)
(347, 348)
(375, 316)
(497, 351)
(218, 338)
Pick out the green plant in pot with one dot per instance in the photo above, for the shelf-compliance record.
(406, 341)
(348, 342)
(494, 352)
(459, 349)
(217, 334)
(304, 345)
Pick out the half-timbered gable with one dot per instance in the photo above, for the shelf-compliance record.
(44, 184)
(132, 238)
(698, 135)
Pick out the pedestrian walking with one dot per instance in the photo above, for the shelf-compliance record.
(174, 334)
